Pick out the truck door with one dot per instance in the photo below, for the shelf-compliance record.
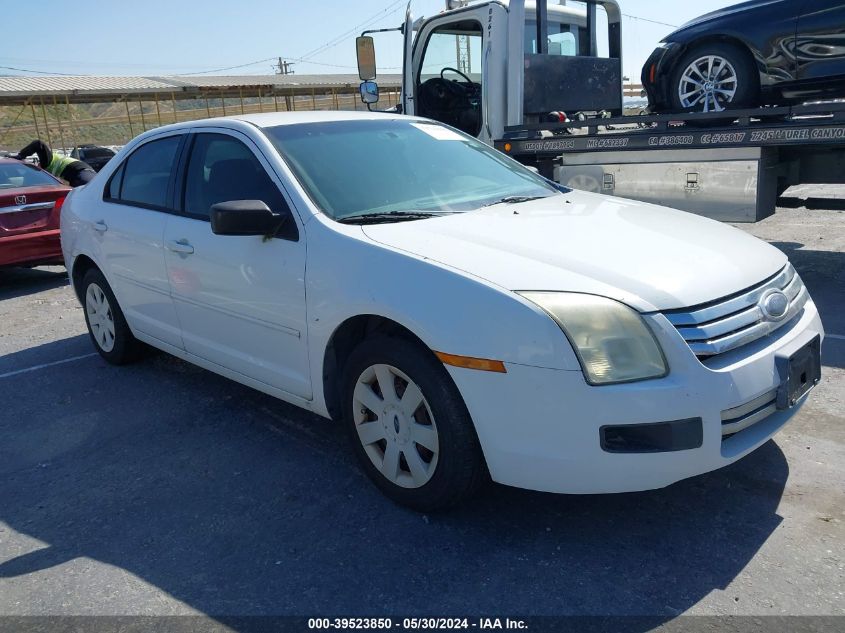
(448, 81)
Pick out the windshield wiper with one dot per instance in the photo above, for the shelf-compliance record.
(388, 216)
(514, 200)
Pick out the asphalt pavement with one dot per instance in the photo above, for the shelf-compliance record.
(162, 489)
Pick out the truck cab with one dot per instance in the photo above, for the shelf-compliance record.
(458, 67)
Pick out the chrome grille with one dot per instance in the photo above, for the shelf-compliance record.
(722, 325)
(746, 415)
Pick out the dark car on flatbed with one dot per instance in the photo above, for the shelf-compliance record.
(757, 53)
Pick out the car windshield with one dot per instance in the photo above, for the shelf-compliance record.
(350, 168)
(13, 175)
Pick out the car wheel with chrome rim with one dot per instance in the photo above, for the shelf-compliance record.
(409, 425)
(713, 78)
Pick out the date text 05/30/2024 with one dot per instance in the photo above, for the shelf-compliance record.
(416, 623)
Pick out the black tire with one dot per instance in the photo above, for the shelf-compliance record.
(748, 81)
(126, 348)
(460, 469)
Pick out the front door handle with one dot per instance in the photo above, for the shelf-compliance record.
(100, 226)
(180, 246)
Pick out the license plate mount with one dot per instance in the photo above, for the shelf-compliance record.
(799, 373)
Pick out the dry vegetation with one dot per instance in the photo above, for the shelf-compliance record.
(108, 123)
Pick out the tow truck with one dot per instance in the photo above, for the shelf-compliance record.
(542, 82)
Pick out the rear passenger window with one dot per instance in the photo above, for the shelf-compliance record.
(146, 173)
(113, 188)
(222, 169)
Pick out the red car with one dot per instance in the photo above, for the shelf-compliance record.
(30, 202)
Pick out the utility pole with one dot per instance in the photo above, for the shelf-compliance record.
(283, 67)
(463, 54)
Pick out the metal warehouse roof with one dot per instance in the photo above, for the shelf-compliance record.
(16, 90)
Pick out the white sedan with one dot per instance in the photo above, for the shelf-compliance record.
(462, 316)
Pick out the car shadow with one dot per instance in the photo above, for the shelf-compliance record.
(826, 204)
(237, 504)
(823, 272)
(19, 282)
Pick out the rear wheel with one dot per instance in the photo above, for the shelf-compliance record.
(714, 77)
(409, 425)
(106, 324)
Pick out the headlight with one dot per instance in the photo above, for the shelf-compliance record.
(612, 341)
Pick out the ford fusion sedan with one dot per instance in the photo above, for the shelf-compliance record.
(755, 53)
(462, 317)
(30, 204)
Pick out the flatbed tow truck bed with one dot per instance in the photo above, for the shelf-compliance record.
(731, 170)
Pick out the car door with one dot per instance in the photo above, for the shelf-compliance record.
(240, 299)
(129, 225)
(820, 44)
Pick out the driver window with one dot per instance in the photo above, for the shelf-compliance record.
(449, 83)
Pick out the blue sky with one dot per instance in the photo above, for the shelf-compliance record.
(159, 37)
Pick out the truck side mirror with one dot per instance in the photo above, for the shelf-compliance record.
(365, 51)
(369, 92)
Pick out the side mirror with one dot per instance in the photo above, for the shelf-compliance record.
(245, 217)
(365, 51)
(369, 92)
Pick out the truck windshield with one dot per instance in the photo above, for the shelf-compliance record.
(399, 165)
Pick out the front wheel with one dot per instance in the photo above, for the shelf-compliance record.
(409, 426)
(713, 78)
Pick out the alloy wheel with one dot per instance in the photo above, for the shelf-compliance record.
(395, 425)
(708, 84)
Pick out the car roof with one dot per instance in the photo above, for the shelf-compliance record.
(272, 119)
(269, 120)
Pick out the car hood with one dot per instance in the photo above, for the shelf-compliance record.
(650, 257)
(726, 12)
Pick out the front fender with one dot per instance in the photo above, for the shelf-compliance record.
(349, 275)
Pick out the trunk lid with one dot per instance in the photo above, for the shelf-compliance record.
(29, 209)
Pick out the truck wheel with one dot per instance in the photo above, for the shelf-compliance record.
(106, 324)
(409, 426)
(714, 77)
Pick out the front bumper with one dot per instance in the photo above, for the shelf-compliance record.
(657, 74)
(29, 249)
(541, 428)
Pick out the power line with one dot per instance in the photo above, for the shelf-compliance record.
(634, 17)
(40, 72)
(390, 9)
(205, 72)
(217, 70)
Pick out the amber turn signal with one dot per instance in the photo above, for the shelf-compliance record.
(468, 362)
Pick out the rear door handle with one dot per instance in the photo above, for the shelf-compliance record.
(180, 246)
(100, 226)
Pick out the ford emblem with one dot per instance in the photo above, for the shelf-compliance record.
(774, 305)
